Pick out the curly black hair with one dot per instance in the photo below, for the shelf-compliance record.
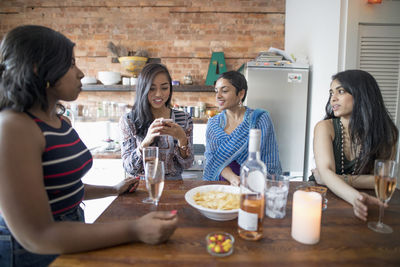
(32, 58)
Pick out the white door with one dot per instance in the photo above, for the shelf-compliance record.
(379, 54)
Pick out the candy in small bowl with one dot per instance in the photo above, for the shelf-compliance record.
(220, 244)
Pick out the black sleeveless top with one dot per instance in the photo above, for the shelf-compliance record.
(337, 150)
(349, 165)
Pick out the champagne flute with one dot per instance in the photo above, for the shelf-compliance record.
(155, 175)
(385, 173)
(150, 154)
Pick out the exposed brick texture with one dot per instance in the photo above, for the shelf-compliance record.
(183, 34)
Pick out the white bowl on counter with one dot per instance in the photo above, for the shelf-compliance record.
(109, 77)
(89, 80)
(217, 215)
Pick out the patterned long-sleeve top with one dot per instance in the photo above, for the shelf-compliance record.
(169, 151)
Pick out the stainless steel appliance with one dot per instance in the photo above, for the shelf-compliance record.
(196, 171)
(282, 89)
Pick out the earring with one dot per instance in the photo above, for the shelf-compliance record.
(47, 85)
(240, 104)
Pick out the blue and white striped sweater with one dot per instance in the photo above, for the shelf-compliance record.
(223, 148)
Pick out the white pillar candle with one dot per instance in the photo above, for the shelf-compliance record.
(306, 217)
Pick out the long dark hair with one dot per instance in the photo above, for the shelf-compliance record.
(370, 124)
(31, 58)
(237, 80)
(141, 110)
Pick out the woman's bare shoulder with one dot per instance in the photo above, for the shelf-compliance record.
(17, 124)
(324, 127)
(11, 117)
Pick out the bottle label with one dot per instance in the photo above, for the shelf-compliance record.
(256, 181)
(248, 221)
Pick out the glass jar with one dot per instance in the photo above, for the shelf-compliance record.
(188, 79)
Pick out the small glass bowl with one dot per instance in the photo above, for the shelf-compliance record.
(220, 244)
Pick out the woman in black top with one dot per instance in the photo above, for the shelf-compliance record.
(357, 126)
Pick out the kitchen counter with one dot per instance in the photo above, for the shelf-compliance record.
(107, 155)
(116, 120)
(93, 134)
(105, 171)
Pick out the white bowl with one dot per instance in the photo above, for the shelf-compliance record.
(89, 80)
(109, 77)
(218, 215)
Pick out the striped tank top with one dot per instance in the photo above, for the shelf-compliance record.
(65, 161)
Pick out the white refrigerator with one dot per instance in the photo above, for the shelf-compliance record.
(283, 91)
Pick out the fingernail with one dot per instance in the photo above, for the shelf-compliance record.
(174, 212)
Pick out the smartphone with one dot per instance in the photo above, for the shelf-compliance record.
(166, 120)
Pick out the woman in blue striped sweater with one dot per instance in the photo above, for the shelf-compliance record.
(42, 159)
(227, 133)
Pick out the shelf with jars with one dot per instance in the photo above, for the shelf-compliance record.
(122, 88)
(112, 111)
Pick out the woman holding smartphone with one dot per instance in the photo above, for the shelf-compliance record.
(152, 122)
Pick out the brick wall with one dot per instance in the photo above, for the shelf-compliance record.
(183, 34)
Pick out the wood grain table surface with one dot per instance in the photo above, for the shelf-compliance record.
(345, 240)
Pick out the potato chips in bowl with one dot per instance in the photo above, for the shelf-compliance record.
(217, 202)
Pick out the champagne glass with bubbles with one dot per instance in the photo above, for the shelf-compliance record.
(385, 173)
(155, 174)
(150, 154)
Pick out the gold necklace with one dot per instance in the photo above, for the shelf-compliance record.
(342, 151)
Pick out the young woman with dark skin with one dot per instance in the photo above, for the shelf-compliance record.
(42, 159)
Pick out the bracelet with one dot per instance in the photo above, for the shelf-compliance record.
(348, 179)
(140, 147)
(345, 178)
(184, 148)
(351, 180)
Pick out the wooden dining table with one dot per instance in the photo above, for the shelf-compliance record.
(344, 240)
